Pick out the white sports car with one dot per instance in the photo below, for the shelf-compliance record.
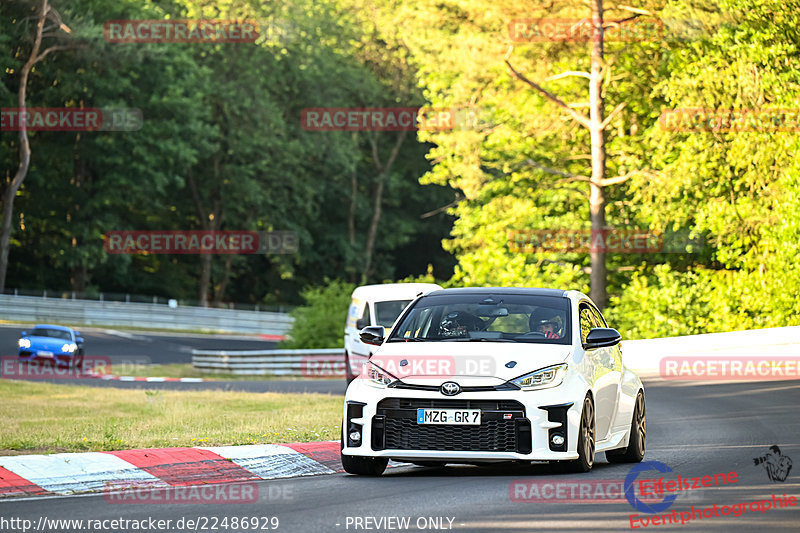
(481, 375)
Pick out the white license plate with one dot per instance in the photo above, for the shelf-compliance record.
(450, 417)
(43, 353)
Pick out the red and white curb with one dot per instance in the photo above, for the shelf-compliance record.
(78, 473)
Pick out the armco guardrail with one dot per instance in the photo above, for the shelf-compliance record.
(141, 315)
(327, 362)
(643, 356)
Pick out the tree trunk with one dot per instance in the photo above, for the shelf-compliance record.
(205, 278)
(79, 274)
(597, 201)
(208, 223)
(351, 215)
(377, 199)
(221, 287)
(351, 267)
(8, 212)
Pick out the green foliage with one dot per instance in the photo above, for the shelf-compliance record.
(737, 190)
(320, 322)
(221, 137)
(226, 118)
(427, 277)
(667, 304)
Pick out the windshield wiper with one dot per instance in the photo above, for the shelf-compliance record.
(409, 339)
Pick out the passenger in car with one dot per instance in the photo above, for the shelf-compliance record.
(545, 321)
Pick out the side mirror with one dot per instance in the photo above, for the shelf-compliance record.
(372, 335)
(602, 337)
(78, 340)
(362, 322)
(23, 334)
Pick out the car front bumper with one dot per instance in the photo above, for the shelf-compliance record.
(515, 425)
(33, 354)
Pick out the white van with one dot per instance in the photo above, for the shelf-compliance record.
(375, 305)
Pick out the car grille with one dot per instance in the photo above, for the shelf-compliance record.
(395, 427)
(435, 403)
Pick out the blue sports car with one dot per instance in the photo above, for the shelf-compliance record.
(61, 345)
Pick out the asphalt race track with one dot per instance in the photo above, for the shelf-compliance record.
(160, 348)
(696, 429)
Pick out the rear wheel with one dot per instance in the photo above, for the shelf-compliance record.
(585, 459)
(362, 466)
(634, 453)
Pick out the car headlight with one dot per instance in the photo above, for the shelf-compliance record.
(24, 343)
(70, 347)
(551, 376)
(377, 376)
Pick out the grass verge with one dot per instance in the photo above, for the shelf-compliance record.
(46, 418)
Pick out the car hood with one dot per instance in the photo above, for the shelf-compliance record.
(47, 343)
(468, 363)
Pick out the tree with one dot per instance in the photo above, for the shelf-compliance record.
(522, 165)
(597, 123)
(56, 29)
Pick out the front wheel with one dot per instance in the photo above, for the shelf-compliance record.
(585, 459)
(362, 466)
(634, 453)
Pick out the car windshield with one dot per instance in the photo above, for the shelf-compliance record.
(51, 332)
(387, 312)
(487, 317)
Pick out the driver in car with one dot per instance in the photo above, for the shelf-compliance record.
(460, 323)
